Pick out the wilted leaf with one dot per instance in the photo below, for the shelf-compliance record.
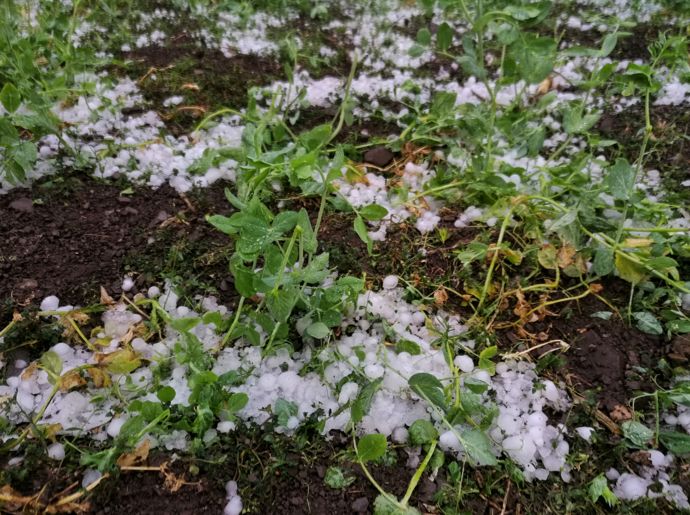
(136, 457)
(71, 380)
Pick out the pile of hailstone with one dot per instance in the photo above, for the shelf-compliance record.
(521, 431)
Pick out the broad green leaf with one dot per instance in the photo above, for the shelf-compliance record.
(223, 224)
(677, 443)
(10, 97)
(318, 330)
(638, 434)
(373, 212)
(317, 136)
(422, 432)
(443, 103)
(408, 346)
(166, 394)
(371, 447)
(477, 446)
(647, 323)
(236, 402)
(603, 261)
(620, 179)
(424, 36)
(429, 388)
(444, 37)
(184, 325)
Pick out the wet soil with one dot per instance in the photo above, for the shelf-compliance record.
(69, 242)
(606, 357)
(205, 78)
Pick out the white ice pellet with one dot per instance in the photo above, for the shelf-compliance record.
(464, 363)
(390, 282)
(234, 506)
(50, 303)
(153, 292)
(127, 284)
(90, 476)
(115, 425)
(56, 451)
(585, 432)
(449, 441)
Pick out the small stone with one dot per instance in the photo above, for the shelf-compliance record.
(379, 156)
(360, 505)
(23, 205)
(129, 210)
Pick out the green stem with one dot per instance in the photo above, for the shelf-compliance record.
(418, 474)
(494, 259)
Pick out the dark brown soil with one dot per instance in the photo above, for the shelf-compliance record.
(362, 131)
(205, 78)
(399, 253)
(605, 356)
(68, 244)
(147, 492)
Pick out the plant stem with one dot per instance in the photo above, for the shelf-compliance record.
(418, 474)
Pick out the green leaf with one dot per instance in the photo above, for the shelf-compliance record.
(675, 442)
(534, 56)
(429, 388)
(477, 446)
(638, 434)
(284, 410)
(371, 447)
(603, 261)
(318, 330)
(574, 122)
(10, 97)
(373, 212)
(422, 432)
(51, 362)
(166, 394)
(444, 37)
(647, 323)
(485, 357)
(361, 230)
(362, 403)
(336, 479)
(389, 505)
(620, 179)
(599, 487)
(424, 36)
(184, 325)
(236, 402)
(408, 346)
(281, 303)
(317, 136)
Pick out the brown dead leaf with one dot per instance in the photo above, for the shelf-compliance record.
(544, 86)
(71, 381)
(68, 507)
(105, 298)
(100, 378)
(620, 413)
(190, 86)
(29, 371)
(136, 457)
(596, 288)
(440, 296)
(566, 255)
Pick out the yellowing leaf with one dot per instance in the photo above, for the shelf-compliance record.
(629, 270)
(71, 380)
(121, 361)
(636, 243)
